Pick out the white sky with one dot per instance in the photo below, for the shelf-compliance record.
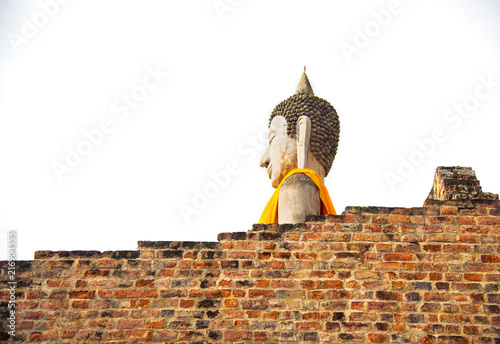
(227, 71)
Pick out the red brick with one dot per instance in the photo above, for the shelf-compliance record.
(465, 220)
(105, 293)
(492, 277)
(265, 255)
(155, 324)
(435, 276)
(237, 335)
(306, 255)
(309, 325)
(35, 315)
(277, 264)
(490, 259)
(81, 284)
(398, 257)
(315, 295)
(399, 327)
(260, 292)
(473, 277)
(377, 337)
(429, 229)
(54, 284)
(329, 284)
(186, 303)
(399, 219)
(39, 336)
(457, 248)
(384, 266)
(82, 294)
(448, 211)
(26, 304)
(130, 323)
(231, 303)
(141, 283)
(219, 293)
(468, 238)
(488, 220)
(312, 236)
(283, 284)
(209, 264)
(260, 336)
(385, 306)
(80, 304)
(440, 219)
(372, 228)
(379, 219)
(56, 304)
(127, 294)
(140, 334)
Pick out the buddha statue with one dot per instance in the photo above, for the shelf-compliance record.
(303, 140)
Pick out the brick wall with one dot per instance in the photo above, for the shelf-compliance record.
(371, 275)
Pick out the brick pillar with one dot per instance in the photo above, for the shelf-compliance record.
(454, 183)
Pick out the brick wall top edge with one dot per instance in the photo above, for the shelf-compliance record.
(131, 254)
(147, 245)
(479, 202)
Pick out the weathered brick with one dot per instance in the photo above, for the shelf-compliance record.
(388, 295)
(127, 293)
(398, 257)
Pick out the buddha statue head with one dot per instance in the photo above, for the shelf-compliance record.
(303, 133)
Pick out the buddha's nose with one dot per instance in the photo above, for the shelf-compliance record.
(264, 161)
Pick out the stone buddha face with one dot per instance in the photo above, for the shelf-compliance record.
(281, 154)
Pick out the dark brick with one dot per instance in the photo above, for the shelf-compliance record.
(416, 318)
(172, 254)
(491, 287)
(491, 309)
(453, 339)
(167, 313)
(388, 295)
(412, 296)
(332, 326)
(422, 285)
(212, 314)
(208, 303)
(212, 254)
(493, 298)
(442, 286)
(255, 304)
(381, 326)
(338, 316)
(270, 236)
(201, 324)
(346, 336)
(125, 254)
(214, 335)
(230, 264)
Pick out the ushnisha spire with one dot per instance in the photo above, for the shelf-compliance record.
(304, 85)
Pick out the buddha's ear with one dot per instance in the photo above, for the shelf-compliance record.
(303, 135)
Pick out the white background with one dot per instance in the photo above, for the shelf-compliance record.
(228, 67)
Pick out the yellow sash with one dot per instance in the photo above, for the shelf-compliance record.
(271, 210)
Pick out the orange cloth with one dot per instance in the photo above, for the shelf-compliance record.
(270, 212)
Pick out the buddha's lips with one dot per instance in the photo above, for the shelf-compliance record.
(269, 170)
